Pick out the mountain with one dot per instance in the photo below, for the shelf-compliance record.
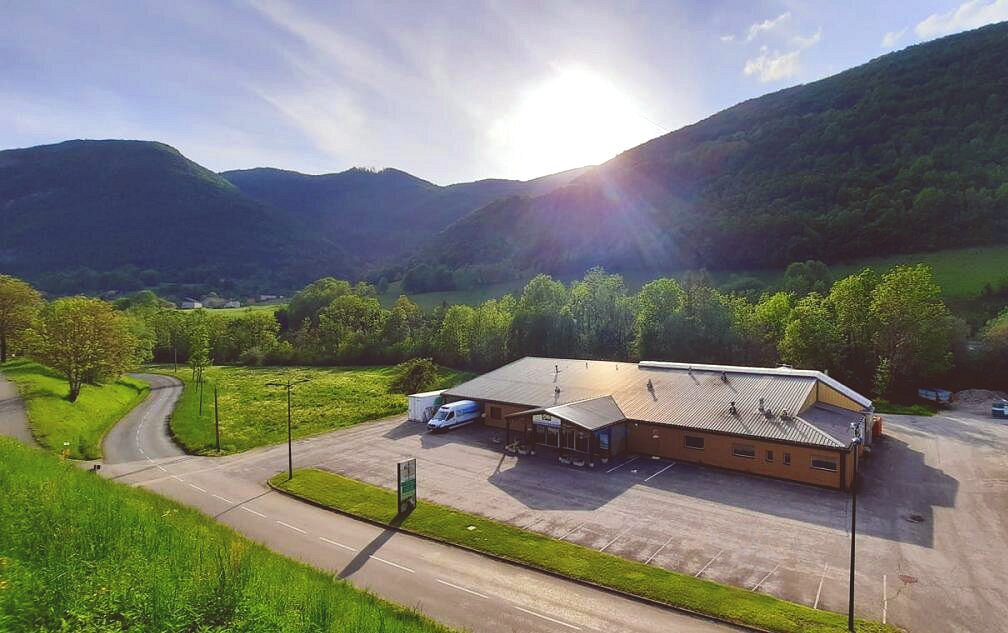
(386, 214)
(110, 205)
(904, 153)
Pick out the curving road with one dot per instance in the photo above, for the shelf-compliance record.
(453, 586)
(13, 419)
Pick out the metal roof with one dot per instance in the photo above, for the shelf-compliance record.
(591, 414)
(699, 399)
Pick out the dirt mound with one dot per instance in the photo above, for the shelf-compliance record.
(978, 400)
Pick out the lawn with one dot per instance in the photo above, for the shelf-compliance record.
(961, 273)
(79, 553)
(237, 313)
(78, 427)
(255, 414)
(476, 532)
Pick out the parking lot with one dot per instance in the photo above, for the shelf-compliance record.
(932, 514)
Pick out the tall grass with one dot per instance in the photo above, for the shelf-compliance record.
(82, 424)
(78, 553)
(255, 414)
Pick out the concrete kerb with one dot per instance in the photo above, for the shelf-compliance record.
(503, 559)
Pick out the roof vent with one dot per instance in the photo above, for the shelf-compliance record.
(556, 369)
(650, 385)
(556, 390)
(724, 376)
(768, 413)
(690, 370)
(785, 366)
(762, 405)
(733, 409)
(785, 415)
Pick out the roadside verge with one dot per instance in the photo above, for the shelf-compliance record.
(564, 559)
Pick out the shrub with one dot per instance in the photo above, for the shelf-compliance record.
(414, 375)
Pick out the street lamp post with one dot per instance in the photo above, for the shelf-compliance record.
(855, 446)
(290, 444)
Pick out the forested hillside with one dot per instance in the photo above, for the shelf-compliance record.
(142, 209)
(905, 153)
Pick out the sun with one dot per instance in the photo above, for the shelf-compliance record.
(575, 117)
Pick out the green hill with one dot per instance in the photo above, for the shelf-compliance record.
(905, 153)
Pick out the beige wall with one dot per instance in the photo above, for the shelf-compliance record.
(666, 441)
(829, 395)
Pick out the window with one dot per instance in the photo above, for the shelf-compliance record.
(787, 459)
(694, 442)
(744, 450)
(495, 413)
(824, 463)
(769, 456)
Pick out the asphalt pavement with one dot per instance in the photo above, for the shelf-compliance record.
(13, 420)
(453, 586)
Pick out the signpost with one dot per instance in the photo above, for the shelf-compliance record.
(406, 488)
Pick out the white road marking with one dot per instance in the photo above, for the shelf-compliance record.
(651, 558)
(757, 586)
(224, 499)
(885, 599)
(346, 547)
(815, 605)
(547, 618)
(704, 568)
(621, 465)
(177, 478)
(388, 562)
(250, 510)
(475, 593)
(162, 469)
(614, 539)
(288, 525)
(571, 531)
(197, 487)
(660, 472)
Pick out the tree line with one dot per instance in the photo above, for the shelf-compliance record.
(885, 334)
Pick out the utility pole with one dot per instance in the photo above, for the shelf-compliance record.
(290, 444)
(855, 446)
(216, 418)
(200, 385)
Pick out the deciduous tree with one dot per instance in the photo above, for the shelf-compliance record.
(18, 304)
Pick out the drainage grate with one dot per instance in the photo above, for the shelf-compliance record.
(914, 518)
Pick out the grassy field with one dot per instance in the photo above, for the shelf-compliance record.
(78, 553)
(82, 424)
(444, 523)
(254, 414)
(237, 313)
(962, 274)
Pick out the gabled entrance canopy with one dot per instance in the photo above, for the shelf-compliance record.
(591, 414)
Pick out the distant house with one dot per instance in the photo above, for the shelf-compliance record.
(191, 304)
(233, 304)
(267, 297)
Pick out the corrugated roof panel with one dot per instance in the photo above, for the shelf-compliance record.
(592, 414)
(699, 399)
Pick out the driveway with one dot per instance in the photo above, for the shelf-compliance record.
(932, 519)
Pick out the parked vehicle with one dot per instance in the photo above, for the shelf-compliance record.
(423, 406)
(455, 414)
(999, 409)
(937, 396)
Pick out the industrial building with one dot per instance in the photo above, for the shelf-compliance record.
(778, 422)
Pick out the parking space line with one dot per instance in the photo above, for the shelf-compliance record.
(571, 531)
(651, 558)
(660, 472)
(606, 546)
(475, 593)
(288, 525)
(622, 464)
(547, 618)
(757, 586)
(331, 542)
(885, 599)
(388, 562)
(704, 568)
(815, 605)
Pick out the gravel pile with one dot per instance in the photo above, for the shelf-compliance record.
(978, 400)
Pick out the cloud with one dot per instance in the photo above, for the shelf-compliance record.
(728, 38)
(968, 15)
(767, 25)
(892, 38)
(811, 40)
(773, 66)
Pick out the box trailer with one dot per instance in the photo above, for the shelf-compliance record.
(423, 406)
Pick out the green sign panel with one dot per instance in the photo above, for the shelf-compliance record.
(406, 485)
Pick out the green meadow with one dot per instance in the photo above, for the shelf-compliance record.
(252, 413)
(76, 427)
(79, 553)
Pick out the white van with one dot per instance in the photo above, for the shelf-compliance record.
(455, 414)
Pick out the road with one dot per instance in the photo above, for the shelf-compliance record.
(13, 420)
(450, 585)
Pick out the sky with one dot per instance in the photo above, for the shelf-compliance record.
(448, 91)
